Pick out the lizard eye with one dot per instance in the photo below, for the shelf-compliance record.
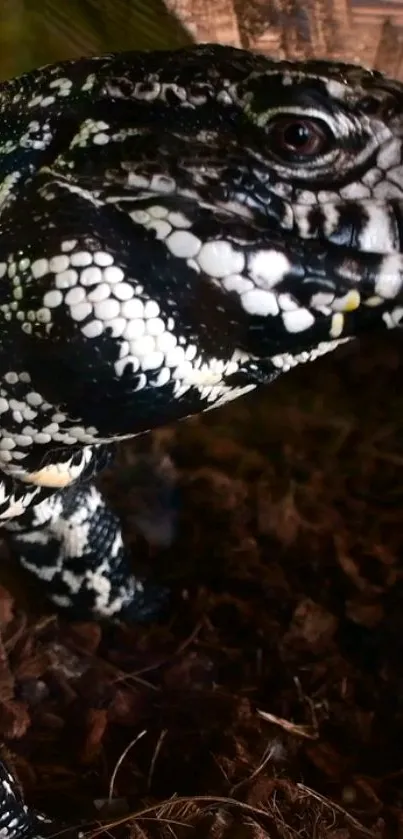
(294, 138)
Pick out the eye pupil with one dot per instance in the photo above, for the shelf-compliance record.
(292, 138)
(296, 135)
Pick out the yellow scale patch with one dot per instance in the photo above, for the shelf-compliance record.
(50, 476)
(349, 303)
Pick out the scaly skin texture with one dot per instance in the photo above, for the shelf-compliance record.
(176, 229)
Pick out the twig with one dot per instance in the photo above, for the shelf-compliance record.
(267, 756)
(338, 809)
(157, 810)
(306, 731)
(120, 761)
(154, 759)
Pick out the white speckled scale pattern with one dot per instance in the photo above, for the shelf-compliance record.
(177, 229)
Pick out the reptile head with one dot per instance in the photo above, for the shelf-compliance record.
(179, 226)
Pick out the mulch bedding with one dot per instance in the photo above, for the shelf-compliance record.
(268, 701)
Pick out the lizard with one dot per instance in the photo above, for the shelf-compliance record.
(177, 228)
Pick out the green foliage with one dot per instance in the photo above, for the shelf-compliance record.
(35, 32)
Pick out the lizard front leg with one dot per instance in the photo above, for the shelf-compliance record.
(17, 821)
(71, 541)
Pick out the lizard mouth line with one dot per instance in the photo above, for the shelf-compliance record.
(319, 256)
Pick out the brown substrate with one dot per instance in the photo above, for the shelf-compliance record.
(269, 703)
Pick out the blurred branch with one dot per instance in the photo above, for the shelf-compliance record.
(35, 32)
